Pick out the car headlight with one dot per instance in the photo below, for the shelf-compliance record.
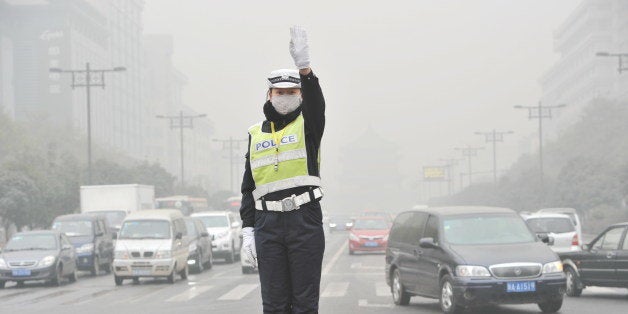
(47, 261)
(472, 271)
(353, 237)
(332, 225)
(85, 248)
(553, 267)
(193, 247)
(121, 255)
(163, 254)
(3, 264)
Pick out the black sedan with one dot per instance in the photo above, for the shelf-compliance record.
(603, 262)
(37, 255)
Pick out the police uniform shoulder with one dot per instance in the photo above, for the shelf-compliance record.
(257, 125)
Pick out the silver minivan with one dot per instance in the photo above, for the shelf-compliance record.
(151, 243)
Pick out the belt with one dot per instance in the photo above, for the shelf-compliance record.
(290, 203)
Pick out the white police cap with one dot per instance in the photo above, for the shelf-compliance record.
(284, 78)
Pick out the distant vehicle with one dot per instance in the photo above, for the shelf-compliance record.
(340, 223)
(226, 230)
(91, 238)
(368, 234)
(38, 255)
(186, 204)
(247, 268)
(384, 215)
(151, 243)
(471, 256)
(116, 201)
(572, 213)
(232, 204)
(200, 245)
(603, 262)
(558, 227)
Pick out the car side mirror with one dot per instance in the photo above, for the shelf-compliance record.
(546, 239)
(235, 224)
(204, 234)
(427, 243)
(179, 236)
(585, 247)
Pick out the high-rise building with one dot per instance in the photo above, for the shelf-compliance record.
(579, 76)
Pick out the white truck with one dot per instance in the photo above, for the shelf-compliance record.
(116, 201)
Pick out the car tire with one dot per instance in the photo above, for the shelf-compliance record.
(20, 284)
(572, 287)
(551, 306)
(246, 270)
(171, 278)
(2, 284)
(210, 262)
(231, 257)
(73, 276)
(56, 281)
(118, 280)
(351, 252)
(399, 294)
(96, 267)
(185, 272)
(447, 297)
(198, 265)
(109, 267)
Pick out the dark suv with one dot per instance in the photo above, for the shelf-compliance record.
(468, 256)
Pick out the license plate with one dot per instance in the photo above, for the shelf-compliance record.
(141, 272)
(21, 272)
(370, 243)
(521, 286)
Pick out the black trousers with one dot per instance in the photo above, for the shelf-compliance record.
(290, 247)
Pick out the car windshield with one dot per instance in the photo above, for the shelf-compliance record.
(145, 229)
(486, 229)
(215, 221)
(551, 225)
(370, 224)
(76, 228)
(114, 217)
(22, 242)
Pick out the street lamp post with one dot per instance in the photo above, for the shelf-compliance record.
(540, 112)
(88, 78)
(494, 137)
(620, 59)
(469, 152)
(180, 122)
(229, 144)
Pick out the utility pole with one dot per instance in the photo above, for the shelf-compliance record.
(494, 137)
(620, 59)
(540, 112)
(180, 122)
(469, 152)
(449, 164)
(231, 144)
(88, 78)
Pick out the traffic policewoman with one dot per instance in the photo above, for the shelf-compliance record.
(281, 189)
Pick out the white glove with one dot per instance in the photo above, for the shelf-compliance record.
(248, 243)
(299, 48)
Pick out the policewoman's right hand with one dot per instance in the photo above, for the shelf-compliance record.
(248, 243)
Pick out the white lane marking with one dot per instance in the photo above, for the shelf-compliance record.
(335, 290)
(189, 294)
(605, 290)
(356, 265)
(365, 303)
(382, 289)
(238, 292)
(334, 259)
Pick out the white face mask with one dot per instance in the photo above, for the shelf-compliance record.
(285, 104)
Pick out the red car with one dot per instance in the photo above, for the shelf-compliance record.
(369, 234)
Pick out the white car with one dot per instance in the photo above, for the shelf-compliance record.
(226, 231)
(558, 227)
(572, 213)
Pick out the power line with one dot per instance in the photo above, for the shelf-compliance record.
(469, 152)
(494, 137)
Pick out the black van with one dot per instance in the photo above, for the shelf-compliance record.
(92, 240)
(468, 256)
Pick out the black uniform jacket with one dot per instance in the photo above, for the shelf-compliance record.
(313, 109)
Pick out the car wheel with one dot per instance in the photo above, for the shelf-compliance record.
(400, 296)
(246, 270)
(96, 267)
(170, 277)
(231, 257)
(184, 273)
(210, 261)
(551, 306)
(447, 298)
(73, 276)
(109, 266)
(136, 280)
(56, 281)
(118, 280)
(351, 252)
(573, 289)
(2, 284)
(20, 284)
(198, 264)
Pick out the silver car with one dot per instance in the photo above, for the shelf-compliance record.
(558, 227)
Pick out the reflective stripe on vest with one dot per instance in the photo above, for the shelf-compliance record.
(292, 170)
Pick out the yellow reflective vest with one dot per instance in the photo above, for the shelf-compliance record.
(279, 166)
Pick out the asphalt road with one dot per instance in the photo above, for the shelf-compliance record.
(351, 284)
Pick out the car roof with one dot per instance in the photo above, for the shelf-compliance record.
(558, 210)
(211, 213)
(620, 224)
(160, 214)
(370, 218)
(40, 232)
(463, 210)
(546, 215)
(75, 217)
